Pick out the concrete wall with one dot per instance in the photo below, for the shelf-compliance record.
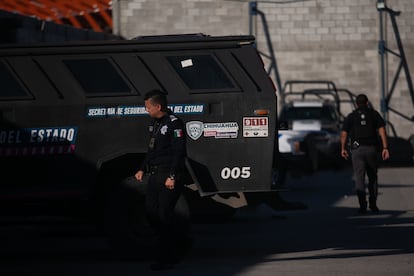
(334, 40)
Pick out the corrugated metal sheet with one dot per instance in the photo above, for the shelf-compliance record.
(87, 14)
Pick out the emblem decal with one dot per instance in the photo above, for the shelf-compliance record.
(194, 129)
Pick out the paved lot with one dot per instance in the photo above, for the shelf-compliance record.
(327, 238)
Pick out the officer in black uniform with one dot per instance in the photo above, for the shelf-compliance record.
(164, 164)
(363, 126)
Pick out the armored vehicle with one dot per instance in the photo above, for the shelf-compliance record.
(74, 127)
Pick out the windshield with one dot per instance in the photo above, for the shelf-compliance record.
(303, 113)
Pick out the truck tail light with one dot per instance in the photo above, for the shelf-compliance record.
(261, 112)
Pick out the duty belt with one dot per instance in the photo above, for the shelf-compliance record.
(154, 169)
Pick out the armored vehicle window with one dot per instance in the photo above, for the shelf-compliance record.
(201, 72)
(10, 86)
(97, 76)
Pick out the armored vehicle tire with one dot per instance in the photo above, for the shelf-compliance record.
(125, 223)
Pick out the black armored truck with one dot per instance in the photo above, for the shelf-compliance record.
(73, 126)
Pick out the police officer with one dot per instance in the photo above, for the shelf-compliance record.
(362, 126)
(164, 164)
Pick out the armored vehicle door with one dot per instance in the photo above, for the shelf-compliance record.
(229, 106)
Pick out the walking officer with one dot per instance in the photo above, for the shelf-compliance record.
(362, 127)
(164, 163)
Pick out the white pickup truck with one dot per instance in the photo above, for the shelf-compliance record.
(310, 138)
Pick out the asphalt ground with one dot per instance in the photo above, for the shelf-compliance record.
(326, 238)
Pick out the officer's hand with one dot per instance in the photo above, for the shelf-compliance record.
(385, 154)
(344, 154)
(139, 175)
(169, 183)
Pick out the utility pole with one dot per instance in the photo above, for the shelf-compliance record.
(254, 11)
(403, 65)
(382, 51)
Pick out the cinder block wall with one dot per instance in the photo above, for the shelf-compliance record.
(335, 40)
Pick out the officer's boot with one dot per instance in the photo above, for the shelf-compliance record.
(372, 189)
(373, 204)
(362, 202)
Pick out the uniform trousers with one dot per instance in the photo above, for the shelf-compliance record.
(365, 160)
(160, 203)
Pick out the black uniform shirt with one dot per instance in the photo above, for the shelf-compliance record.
(167, 148)
(362, 125)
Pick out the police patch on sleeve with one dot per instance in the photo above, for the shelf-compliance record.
(178, 133)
